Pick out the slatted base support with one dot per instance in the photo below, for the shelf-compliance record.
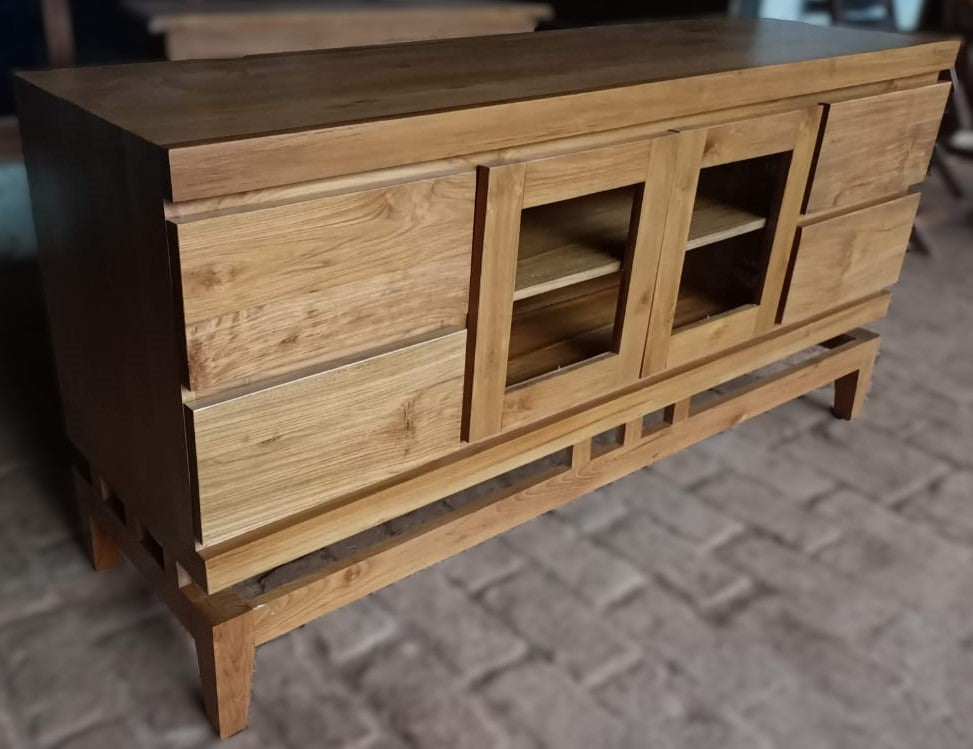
(227, 627)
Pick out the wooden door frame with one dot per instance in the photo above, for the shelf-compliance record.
(794, 131)
(504, 190)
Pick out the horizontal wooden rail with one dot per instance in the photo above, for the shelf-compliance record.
(229, 562)
(291, 605)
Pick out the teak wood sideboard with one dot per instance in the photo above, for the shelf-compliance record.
(441, 288)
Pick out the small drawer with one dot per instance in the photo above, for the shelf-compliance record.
(875, 147)
(270, 453)
(849, 257)
(270, 290)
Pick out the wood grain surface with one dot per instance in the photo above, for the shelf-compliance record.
(849, 257)
(274, 289)
(876, 146)
(268, 454)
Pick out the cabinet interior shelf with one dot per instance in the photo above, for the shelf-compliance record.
(584, 238)
(562, 327)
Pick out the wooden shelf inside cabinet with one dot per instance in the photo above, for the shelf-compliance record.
(713, 221)
(695, 304)
(572, 241)
(562, 328)
(585, 238)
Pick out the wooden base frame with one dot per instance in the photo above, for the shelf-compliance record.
(227, 626)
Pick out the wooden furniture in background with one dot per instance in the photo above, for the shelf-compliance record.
(288, 315)
(205, 30)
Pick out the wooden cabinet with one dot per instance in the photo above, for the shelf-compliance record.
(298, 301)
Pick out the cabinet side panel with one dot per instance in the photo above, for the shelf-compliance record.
(97, 202)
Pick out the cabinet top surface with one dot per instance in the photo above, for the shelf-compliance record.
(182, 103)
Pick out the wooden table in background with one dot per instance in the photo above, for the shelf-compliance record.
(195, 30)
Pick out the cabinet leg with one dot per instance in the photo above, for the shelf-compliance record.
(225, 651)
(102, 550)
(850, 391)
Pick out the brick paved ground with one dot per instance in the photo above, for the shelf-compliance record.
(800, 583)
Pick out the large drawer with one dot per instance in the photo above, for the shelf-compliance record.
(273, 452)
(849, 257)
(273, 289)
(875, 147)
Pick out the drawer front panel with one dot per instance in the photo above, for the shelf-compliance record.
(876, 146)
(268, 454)
(849, 257)
(274, 289)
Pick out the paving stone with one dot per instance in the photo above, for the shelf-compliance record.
(772, 512)
(309, 704)
(549, 705)
(556, 622)
(687, 467)
(594, 574)
(905, 560)
(354, 630)
(482, 565)
(101, 736)
(866, 459)
(597, 510)
(798, 718)
(950, 439)
(465, 634)
(945, 507)
(814, 592)
(677, 509)
(900, 405)
(826, 662)
(725, 669)
(939, 671)
(659, 703)
(414, 691)
(788, 478)
(786, 421)
(703, 579)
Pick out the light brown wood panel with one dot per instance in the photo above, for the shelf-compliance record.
(268, 454)
(236, 559)
(571, 144)
(849, 257)
(282, 287)
(685, 177)
(875, 146)
(500, 195)
(784, 223)
(564, 176)
(575, 384)
(750, 138)
(644, 253)
(710, 336)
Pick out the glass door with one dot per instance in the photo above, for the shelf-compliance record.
(566, 249)
(723, 264)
